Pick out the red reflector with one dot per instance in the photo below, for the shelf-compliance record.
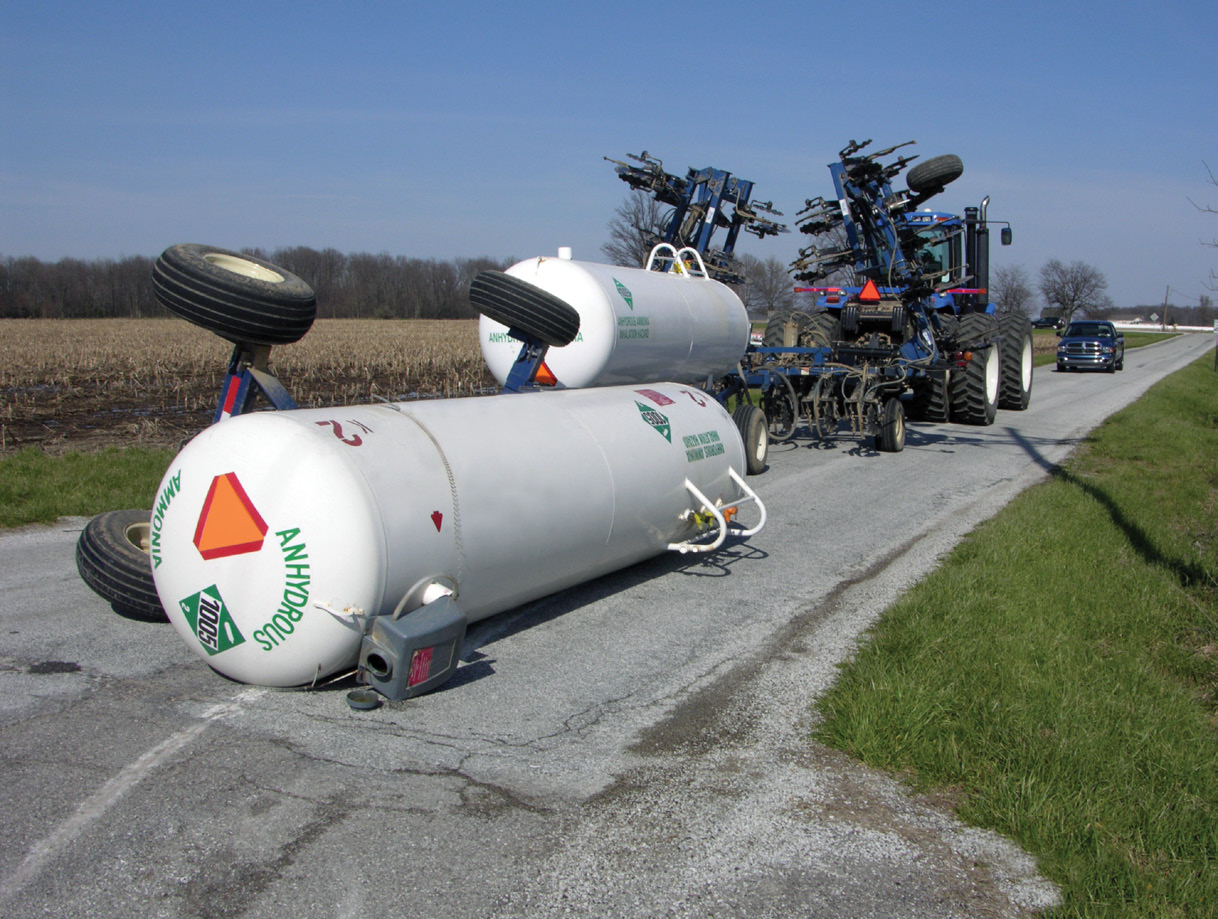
(870, 293)
(230, 397)
(833, 299)
(420, 666)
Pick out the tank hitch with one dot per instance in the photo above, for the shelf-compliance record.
(414, 654)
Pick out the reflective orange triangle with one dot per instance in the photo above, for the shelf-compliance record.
(870, 293)
(229, 524)
(545, 376)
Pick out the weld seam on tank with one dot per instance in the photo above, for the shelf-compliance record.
(452, 488)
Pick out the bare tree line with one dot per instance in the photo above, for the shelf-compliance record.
(357, 285)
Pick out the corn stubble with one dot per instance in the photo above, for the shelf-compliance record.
(87, 384)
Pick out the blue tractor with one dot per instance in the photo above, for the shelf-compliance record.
(901, 321)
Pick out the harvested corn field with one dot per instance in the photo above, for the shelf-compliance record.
(91, 383)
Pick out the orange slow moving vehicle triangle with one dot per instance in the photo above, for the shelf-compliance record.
(229, 524)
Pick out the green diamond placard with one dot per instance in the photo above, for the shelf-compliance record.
(211, 621)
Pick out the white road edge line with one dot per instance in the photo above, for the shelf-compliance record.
(110, 793)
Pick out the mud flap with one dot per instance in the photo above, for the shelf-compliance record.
(414, 654)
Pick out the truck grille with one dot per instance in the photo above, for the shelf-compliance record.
(1083, 349)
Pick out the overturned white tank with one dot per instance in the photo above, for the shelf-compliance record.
(635, 324)
(280, 537)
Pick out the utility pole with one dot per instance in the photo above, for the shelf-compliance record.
(1163, 327)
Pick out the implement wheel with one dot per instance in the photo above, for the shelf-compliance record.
(523, 306)
(754, 431)
(930, 176)
(112, 558)
(239, 297)
(891, 438)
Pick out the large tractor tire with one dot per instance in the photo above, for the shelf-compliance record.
(239, 297)
(784, 329)
(112, 558)
(973, 390)
(1015, 385)
(520, 305)
(755, 431)
(822, 330)
(930, 399)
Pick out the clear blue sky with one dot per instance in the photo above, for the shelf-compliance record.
(463, 129)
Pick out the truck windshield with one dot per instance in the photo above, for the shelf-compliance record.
(1089, 330)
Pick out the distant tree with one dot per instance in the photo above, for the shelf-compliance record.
(1011, 290)
(767, 286)
(1209, 209)
(1074, 288)
(636, 227)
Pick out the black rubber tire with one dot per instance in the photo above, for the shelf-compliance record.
(1015, 385)
(934, 174)
(755, 432)
(776, 331)
(891, 438)
(239, 297)
(523, 306)
(930, 399)
(974, 389)
(823, 329)
(112, 558)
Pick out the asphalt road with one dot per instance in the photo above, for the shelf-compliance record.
(633, 747)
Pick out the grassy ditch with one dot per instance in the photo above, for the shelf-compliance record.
(36, 487)
(1058, 674)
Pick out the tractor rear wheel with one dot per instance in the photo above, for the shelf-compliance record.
(784, 329)
(822, 330)
(930, 400)
(973, 391)
(1015, 388)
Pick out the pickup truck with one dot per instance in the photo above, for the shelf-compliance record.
(1091, 344)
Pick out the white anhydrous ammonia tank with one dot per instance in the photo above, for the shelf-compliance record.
(634, 325)
(275, 533)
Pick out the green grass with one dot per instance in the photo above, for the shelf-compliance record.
(1059, 673)
(37, 488)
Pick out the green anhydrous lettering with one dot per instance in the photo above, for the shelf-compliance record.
(291, 553)
(701, 446)
(295, 597)
(164, 499)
